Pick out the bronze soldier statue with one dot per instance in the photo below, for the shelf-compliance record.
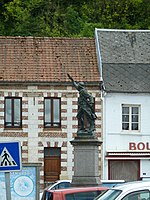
(86, 107)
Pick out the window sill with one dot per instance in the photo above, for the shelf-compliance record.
(11, 128)
(131, 133)
(126, 133)
(52, 129)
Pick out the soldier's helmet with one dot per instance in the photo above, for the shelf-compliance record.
(81, 84)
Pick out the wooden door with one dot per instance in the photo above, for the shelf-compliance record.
(128, 170)
(52, 164)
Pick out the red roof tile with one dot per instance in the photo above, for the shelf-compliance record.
(29, 59)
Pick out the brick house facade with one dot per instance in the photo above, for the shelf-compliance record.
(33, 70)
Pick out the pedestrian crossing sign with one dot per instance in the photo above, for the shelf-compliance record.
(10, 156)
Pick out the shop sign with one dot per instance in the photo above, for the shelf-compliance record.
(139, 146)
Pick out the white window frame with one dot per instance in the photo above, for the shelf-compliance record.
(52, 110)
(130, 106)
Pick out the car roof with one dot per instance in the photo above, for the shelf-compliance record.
(77, 189)
(132, 185)
(61, 181)
(112, 181)
(55, 183)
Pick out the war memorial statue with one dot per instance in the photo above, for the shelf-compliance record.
(85, 144)
(85, 108)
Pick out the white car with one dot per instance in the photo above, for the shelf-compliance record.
(137, 190)
(57, 185)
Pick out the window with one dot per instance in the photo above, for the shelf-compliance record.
(142, 195)
(130, 117)
(89, 195)
(109, 194)
(47, 195)
(52, 113)
(52, 151)
(13, 112)
(62, 185)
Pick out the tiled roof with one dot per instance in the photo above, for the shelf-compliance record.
(29, 59)
(124, 60)
(127, 77)
(124, 46)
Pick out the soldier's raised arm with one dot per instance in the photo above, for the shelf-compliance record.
(73, 82)
(70, 77)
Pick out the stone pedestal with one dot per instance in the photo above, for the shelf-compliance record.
(86, 161)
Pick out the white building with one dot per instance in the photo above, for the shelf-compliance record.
(124, 63)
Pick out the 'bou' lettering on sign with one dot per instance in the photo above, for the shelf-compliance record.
(139, 146)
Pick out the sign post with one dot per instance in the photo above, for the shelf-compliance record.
(10, 160)
(7, 184)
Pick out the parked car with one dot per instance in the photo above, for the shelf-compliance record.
(57, 185)
(84, 193)
(60, 184)
(137, 190)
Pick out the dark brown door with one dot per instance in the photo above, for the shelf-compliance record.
(52, 164)
(128, 170)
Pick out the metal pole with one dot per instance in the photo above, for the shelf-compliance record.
(7, 184)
